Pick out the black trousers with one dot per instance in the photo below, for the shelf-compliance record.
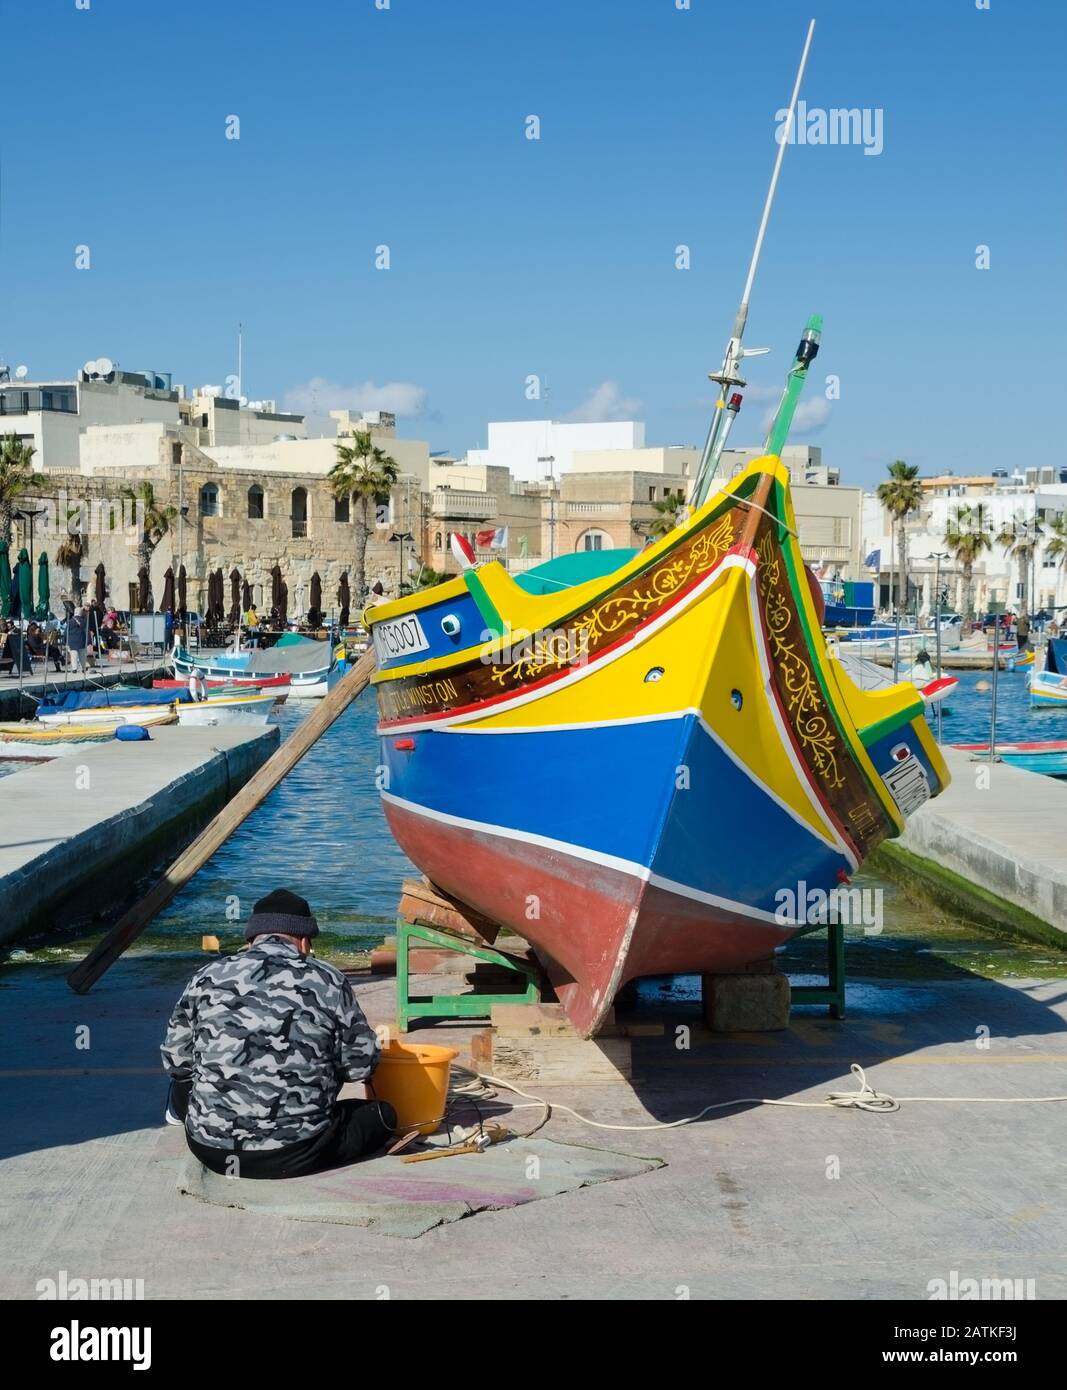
(356, 1129)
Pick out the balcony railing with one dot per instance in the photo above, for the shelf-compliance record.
(605, 509)
(448, 502)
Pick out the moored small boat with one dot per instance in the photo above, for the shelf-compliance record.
(277, 685)
(1048, 688)
(1047, 756)
(227, 707)
(311, 665)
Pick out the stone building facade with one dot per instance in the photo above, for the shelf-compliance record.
(227, 518)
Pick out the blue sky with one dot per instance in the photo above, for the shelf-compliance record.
(512, 257)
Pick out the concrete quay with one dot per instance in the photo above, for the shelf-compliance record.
(755, 1202)
(76, 829)
(995, 844)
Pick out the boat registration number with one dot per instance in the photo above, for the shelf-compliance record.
(908, 784)
(398, 637)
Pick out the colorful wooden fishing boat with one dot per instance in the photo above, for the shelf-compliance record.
(311, 665)
(1020, 660)
(1048, 688)
(634, 759)
(277, 685)
(1047, 756)
(29, 741)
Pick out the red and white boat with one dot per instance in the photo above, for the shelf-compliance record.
(277, 685)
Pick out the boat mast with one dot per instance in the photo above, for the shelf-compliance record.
(730, 372)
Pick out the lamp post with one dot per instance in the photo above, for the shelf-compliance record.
(400, 537)
(550, 460)
(29, 515)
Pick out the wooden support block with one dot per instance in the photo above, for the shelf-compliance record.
(532, 1059)
(752, 1003)
(421, 902)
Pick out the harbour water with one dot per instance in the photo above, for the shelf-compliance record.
(322, 834)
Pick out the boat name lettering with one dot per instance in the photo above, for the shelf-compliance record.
(430, 693)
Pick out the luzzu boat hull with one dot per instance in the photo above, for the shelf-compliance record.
(642, 771)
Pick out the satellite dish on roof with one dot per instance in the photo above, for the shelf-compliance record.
(104, 366)
(21, 371)
(90, 368)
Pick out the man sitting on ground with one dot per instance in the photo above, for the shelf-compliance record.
(258, 1048)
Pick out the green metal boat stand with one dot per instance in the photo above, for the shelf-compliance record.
(473, 1005)
(832, 993)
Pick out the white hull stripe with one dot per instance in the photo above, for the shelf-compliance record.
(609, 861)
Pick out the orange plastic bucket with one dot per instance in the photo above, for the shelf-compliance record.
(413, 1078)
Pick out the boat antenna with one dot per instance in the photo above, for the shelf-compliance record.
(730, 372)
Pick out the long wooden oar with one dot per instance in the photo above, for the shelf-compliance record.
(130, 926)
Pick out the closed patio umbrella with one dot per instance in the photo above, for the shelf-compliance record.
(315, 610)
(183, 586)
(142, 590)
(167, 606)
(283, 605)
(220, 595)
(246, 595)
(5, 581)
(101, 594)
(276, 587)
(235, 595)
(24, 585)
(344, 598)
(43, 588)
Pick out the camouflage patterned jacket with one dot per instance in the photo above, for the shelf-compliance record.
(267, 1037)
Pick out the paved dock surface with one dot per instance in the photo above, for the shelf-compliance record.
(1000, 828)
(69, 821)
(761, 1203)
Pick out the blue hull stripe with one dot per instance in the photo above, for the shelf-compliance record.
(613, 790)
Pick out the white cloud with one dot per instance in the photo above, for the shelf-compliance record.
(810, 417)
(318, 397)
(605, 403)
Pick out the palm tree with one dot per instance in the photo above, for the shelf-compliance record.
(1056, 547)
(1020, 539)
(71, 552)
(16, 479)
(902, 494)
(671, 511)
(965, 539)
(153, 525)
(368, 474)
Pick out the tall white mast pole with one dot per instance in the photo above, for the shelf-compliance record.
(730, 372)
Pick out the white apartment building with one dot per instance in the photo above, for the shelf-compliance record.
(128, 411)
(1000, 501)
(536, 449)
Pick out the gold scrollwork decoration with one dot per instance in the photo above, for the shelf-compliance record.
(804, 699)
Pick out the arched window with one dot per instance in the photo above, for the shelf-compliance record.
(437, 540)
(342, 508)
(209, 500)
(300, 511)
(594, 540)
(255, 503)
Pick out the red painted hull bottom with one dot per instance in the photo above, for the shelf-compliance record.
(594, 927)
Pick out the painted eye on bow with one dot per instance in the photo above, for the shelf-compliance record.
(736, 699)
(450, 625)
(656, 674)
